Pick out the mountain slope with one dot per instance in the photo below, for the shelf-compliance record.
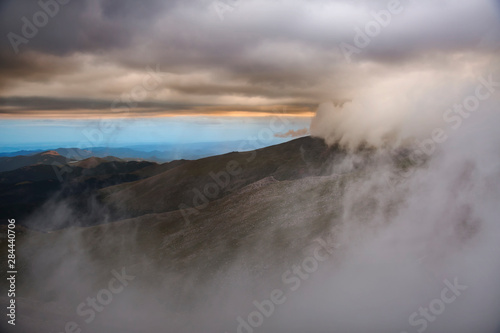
(48, 158)
(193, 183)
(25, 190)
(254, 223)
(92, 162)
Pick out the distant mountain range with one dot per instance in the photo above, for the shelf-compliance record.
(150, 152)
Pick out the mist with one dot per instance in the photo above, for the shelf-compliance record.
(406, 238)
(404, 105)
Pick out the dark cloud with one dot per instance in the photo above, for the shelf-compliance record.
(275, 51)
(32, 66)
(47, 103)
(81, 26)
(39, 106)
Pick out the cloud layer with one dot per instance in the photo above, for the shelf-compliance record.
(251, 55)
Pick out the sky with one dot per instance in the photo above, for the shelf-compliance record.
(220, 70)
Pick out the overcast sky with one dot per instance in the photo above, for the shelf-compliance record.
(107, 58)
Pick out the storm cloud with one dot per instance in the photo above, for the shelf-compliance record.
(250, 55)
